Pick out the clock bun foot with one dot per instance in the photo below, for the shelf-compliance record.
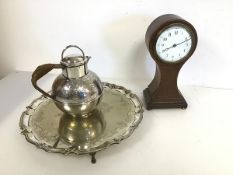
(154, 101)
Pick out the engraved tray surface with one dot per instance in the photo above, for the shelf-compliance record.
(118, 114)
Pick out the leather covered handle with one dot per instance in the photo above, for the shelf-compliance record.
(40, 72)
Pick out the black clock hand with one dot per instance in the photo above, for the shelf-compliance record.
(174, 45)
(182, 42)
(168, 48)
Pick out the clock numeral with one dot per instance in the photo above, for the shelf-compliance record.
(164, 39)
(184, 50)
(176, 32)
(169, 34)
(162, 45)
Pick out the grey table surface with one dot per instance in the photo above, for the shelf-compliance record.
(198, 140)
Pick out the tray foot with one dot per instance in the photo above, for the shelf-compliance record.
(93, 159)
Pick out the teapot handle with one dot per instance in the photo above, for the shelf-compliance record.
(40, 72)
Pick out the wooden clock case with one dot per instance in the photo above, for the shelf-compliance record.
(163, 91)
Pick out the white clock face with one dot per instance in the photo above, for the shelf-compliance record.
(173, 44)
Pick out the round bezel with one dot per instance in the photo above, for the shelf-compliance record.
(191, 32)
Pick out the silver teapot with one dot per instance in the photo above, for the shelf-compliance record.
(77, 91)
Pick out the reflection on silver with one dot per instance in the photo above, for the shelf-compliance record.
(81, 132)
(118, 114)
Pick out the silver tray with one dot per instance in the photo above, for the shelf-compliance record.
(45, 126)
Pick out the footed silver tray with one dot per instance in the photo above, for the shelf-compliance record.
(48, 128)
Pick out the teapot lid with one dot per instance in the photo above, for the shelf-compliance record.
(74, 60)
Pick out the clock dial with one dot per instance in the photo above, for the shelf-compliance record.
(174, 43)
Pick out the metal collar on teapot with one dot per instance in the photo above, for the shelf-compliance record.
(74, 65)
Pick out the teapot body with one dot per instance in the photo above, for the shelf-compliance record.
(77, 96)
